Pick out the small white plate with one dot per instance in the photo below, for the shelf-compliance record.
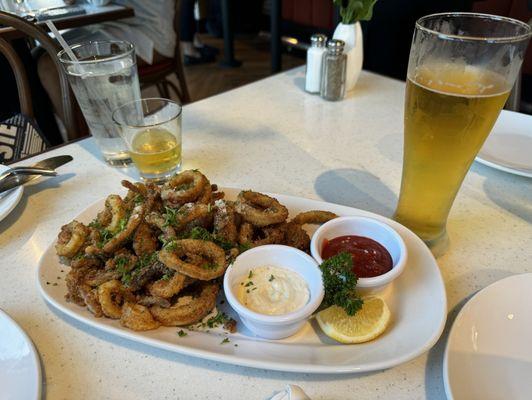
(9, 200)
(20, 369)
(509, 145)
(416, 299)
(489, 352)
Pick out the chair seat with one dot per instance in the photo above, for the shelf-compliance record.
(165, 65)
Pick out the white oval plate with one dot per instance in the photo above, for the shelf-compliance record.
(416, 299)
(9, 200)
(20, 369)
(488, 354)
(509, 145)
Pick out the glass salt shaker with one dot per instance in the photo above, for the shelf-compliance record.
(333, 71)
(314, 63)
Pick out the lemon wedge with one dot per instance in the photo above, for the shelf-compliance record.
(367, 324)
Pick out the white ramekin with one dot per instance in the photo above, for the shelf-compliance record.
(275, 326)
(370, 228)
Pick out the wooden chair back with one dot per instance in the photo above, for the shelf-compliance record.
(36, 33)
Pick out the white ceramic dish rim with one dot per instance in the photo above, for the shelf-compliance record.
(375, 281)
(298, 315)
(465, 308)
(265, 364)
(502, 167)
(12, 199)
(35, 358)
(501, 164)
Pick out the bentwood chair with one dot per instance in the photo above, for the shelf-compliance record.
(158, 74)
(71, 120)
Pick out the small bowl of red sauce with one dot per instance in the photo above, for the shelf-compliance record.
(379, 253)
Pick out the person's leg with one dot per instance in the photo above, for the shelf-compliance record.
(191, 54)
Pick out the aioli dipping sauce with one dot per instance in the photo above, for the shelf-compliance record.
(272, 290)
(370, 258)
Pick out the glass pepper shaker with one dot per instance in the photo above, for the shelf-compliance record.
(333, 71)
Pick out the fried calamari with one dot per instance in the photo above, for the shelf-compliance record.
(157, 255)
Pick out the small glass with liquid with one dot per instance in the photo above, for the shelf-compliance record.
(151, 128)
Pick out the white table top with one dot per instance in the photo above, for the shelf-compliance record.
(269, 136)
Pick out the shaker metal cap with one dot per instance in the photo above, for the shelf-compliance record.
(318, 40)
(336, 46)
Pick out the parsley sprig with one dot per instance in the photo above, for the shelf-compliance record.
(340, 281)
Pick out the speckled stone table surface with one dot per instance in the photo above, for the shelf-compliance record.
(269, 136)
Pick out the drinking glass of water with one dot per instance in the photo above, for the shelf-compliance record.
(151, 128)
(104, 78)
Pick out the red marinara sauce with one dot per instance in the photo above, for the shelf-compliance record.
(370, 258)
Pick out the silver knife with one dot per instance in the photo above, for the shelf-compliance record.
(17, 180)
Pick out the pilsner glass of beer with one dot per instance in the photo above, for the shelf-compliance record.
(461, 70)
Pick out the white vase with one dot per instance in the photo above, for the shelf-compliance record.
(351, 34)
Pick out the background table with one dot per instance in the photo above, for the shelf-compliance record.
(93, 15)
(269, 136)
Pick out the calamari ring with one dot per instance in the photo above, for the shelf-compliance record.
(132, 224)
(260, 209)
(183, 188)
(71, 239)
(192, 213)
(253, 237)
(137, 317)
(225, 221)
(170, 287)
(111, 296)
(117, 208)
(314, 217)
(188, 309)
(194, 249)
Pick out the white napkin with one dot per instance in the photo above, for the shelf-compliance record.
(291, 392)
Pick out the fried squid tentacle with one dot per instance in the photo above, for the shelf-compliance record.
(313, 217)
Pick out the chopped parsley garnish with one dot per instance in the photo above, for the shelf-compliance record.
(271, 278)
(250, 275)
(121, 265)
(171, 245)
(201, 233)
(218, 319)
(122, 224)
(250, 283)
(142, 262)
(340, 281)
(226, 340)
(166, 277)
(182, 333)
(243, 247)
(170, 216)
(209, 266)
